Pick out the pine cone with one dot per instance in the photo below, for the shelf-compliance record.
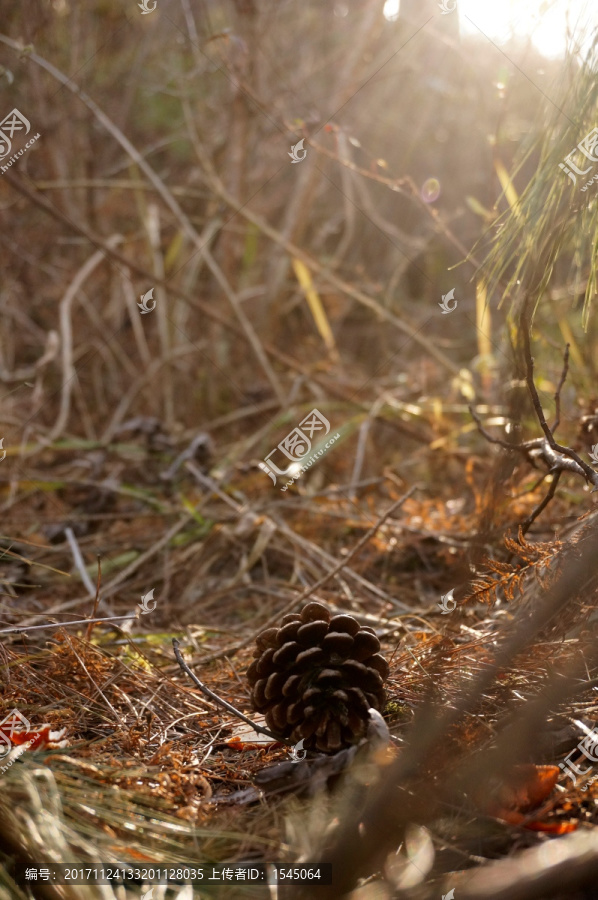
(315, 678)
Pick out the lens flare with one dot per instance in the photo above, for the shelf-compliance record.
(430, 190)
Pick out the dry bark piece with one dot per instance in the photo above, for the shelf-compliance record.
(309, 776)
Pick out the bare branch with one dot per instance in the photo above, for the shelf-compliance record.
(557, 396)
(224, 703)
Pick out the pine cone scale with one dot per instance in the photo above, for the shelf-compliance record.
(265, 639)
(265, 661)
(346, 624)
(288, 632)
(274, 686)
(311, 634)
(338, 643)
(311, 657)
(292, 686)
(364, 645)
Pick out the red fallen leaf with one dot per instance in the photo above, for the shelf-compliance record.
(42, 738)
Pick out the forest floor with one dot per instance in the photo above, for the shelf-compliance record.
(132, 764)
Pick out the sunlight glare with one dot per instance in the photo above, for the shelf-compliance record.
(549, 24)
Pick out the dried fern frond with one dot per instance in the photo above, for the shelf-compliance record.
(509, 578)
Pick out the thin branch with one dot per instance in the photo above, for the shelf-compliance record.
(97, 596)
(174, 207)
(364, 430)
(112, 129)
(525, 526)
(246, 325)
(308, 546)
(327, 276)
(487, 435)
(28, 372)
(137, 385)
(79, 563)
(206, 309)
(224, 703)
(299, 601)
(152, 227)
(121, 576)
(587, 470)
(55, 625)
(557, 396)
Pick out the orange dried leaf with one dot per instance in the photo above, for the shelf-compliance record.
(553, 827)
(517, 818)
(248, 739)
(235, 743)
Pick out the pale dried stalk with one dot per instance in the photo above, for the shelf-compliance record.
(66, 336)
